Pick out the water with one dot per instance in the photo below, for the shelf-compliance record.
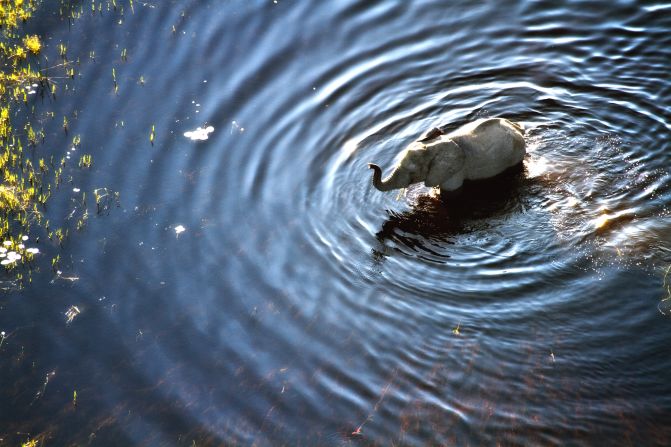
(253, 288)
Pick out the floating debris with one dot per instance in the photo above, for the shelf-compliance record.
(24, 238)
(200, 134)
(33, 251)
(179, 229)
(71, 314)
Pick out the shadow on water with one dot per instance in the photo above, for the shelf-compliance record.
(438, 218)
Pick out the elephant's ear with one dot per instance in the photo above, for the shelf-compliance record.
(448, 160)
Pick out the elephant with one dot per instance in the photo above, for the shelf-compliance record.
(478, 150)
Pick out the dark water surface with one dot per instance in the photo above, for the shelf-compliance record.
(300, 306)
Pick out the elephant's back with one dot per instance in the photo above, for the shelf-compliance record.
(485, 127)
(495, 125)
(492, 146)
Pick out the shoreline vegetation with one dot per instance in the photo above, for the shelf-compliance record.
(24, 188)
(29, 172)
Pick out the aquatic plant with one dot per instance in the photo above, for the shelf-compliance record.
(32, 44)
(105, 199)
(85, 161)
(664, 305)
(14, 12)
(22, 187)
(26, 183)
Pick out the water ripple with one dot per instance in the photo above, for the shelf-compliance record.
(299, 304)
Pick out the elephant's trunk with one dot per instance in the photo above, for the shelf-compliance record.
(393, 181)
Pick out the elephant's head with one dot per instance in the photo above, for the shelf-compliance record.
(411, 169)
(433, 164)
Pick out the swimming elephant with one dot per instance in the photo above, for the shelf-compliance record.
(478, 150)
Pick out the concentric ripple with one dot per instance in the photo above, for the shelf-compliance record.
(266, 293)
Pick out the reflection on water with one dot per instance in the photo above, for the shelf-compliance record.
(252, 288)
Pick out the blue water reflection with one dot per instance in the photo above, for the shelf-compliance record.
(253, 288)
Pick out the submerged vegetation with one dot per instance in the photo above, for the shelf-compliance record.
(664, 305)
